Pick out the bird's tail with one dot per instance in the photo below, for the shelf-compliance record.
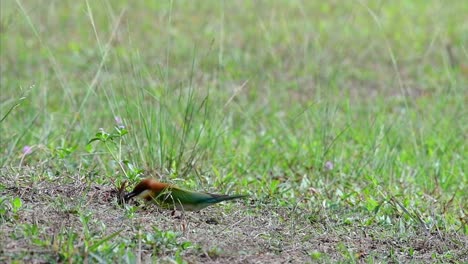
(219, 198)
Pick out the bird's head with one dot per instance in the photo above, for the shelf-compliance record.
(146, 189)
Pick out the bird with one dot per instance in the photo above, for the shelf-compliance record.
(169, 196)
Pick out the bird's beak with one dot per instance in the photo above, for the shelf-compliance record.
(129, 196)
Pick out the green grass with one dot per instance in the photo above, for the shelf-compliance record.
(345, 122)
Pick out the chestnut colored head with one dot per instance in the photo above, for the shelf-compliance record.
(146, 189)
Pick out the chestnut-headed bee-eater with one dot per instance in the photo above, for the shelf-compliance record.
(170, 197)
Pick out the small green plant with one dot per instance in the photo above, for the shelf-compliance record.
(113, 142)
(10, 209)
(165, 241)
(72, 246)
(35, 234)
(16, 204)
(316, 255)
(64, 152)
(64, 245)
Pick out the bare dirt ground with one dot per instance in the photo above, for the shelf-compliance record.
(245, 232)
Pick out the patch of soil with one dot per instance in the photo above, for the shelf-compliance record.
(238, 232)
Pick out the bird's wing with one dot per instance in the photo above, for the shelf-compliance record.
(189, 197)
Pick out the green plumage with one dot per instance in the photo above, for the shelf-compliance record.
(169, 196)
(190, 200)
